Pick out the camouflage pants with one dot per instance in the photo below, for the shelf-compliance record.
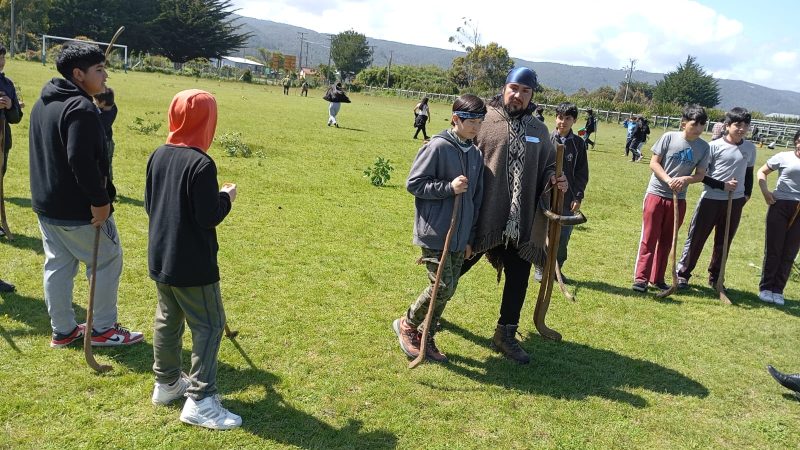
(447, 287)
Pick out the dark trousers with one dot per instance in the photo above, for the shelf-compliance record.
(780, 245)
(424, 133)
(709, 215)
(587, 140)
(517, 273)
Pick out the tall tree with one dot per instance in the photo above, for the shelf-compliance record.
(30, 19)
(189, 29)
(483, 68)
(689, 83)
(350, 52)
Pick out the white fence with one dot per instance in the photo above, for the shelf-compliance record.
(775, 134)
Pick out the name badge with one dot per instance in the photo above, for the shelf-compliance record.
(533, 139)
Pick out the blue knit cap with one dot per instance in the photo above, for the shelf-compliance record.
(522, 75)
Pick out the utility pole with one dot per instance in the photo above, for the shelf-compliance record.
(300, 59)
(307, 53)
(330, 49)
(389, 67)
(628, 77)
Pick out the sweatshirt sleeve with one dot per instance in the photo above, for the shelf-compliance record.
(422, 181)
(14, 114)
(83, 155)
(581, 178)
(209, 205)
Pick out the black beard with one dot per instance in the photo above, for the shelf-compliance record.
(514, 114)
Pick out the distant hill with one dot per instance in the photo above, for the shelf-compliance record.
(285, 38)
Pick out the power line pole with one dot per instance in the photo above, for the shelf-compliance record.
(307, 53)
(389, 67)
(300, 59)
(628, 77)
(330, 49)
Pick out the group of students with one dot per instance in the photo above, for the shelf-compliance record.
(72, 194)
(638, 129)
(725, 167)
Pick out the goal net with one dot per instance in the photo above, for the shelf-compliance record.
(52, 44)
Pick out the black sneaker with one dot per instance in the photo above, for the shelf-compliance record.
(661, 286)
(6, 287)
(640, 287)
(683, 284)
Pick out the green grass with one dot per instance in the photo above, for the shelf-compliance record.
(316, 263)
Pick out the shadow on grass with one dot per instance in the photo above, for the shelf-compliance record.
(271, 417)
(23, 242)
(351, 129)
(130, 201)
(566, 370)
(23, 202)
(30, 311)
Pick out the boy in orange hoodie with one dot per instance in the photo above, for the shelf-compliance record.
(184, 204)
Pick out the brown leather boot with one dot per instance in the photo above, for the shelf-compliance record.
(432, 351)
(505, 341)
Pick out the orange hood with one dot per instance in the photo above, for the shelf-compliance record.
(192, 119)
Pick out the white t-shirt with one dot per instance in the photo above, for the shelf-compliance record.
(787, 164)
(423, 110)
(728, 161)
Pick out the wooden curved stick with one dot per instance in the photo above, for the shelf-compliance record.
(675, 224)
(723, 296)
(110, 47)
(423, 347)
(548, 272)
(87, 332)
(562, 286)
(3, 219)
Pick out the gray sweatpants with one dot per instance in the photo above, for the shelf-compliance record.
(64, 248)
(201, 308)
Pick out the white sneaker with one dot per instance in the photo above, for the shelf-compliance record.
(537, 273)
(164, 394)
(766, 296)
(209, 413)
(777, 299)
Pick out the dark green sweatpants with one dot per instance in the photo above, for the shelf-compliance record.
(201, 308)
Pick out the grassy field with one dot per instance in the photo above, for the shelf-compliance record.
(316, 263)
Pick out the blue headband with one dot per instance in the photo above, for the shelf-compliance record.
(522, 75)
(469, 115)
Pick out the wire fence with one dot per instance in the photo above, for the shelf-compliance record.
(773, 134)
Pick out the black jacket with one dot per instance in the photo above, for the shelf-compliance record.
(576, 166)
(13, 115)
(68, 164)
(183, 201)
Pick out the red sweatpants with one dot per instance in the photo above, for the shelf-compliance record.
(656, 240)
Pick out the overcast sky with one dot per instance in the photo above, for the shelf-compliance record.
(755, 41)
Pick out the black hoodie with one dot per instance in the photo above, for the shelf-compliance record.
(68, 164)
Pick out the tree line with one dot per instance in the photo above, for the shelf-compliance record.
(181, 30)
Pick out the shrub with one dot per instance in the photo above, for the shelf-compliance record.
(145, 126)
(380, 173)
(233, 145)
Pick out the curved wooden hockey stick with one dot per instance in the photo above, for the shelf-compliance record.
(110, 47)
(548, 272)
(723, 296)
(3, 219)
(423, 347)
(675, 224)
(87, 332)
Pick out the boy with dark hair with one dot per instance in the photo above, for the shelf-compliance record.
(448, 165)
(638, 138)
(539, 113)
(576, 169)
(10, 109)
(590, 127)
(185, 205)
(108, 113)
(731, 160)
(71, 196)
(675, 156)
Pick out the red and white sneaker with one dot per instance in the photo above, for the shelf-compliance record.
(62, 340)
(116, 335)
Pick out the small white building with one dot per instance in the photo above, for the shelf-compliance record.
(240, 63)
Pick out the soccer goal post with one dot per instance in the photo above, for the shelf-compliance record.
(46, 37)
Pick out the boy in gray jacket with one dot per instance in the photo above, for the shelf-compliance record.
(448, 165)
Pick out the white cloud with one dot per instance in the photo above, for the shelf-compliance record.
(584, 32)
